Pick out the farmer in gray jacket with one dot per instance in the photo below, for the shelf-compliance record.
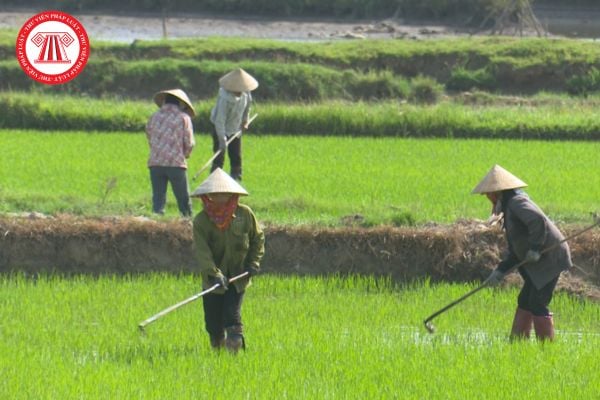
(229, 116)
(528, 232)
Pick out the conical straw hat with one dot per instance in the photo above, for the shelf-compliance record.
(159, 99)
(498, 179)
(238, 80)
(219, 182)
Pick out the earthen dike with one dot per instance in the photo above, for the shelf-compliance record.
(462, 252)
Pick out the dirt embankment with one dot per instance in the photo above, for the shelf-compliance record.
(457, 253)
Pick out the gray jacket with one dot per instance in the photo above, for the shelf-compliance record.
(230, 112)
(527, 227)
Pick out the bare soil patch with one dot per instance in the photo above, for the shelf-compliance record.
(120, 27)
(127, 28)
(462, 252)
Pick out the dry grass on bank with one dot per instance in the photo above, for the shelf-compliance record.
(461, 252)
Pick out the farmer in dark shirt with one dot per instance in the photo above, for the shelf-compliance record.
(528, 232)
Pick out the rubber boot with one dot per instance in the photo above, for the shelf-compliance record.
(235, 339)
(217, 342)
(544, 327)
(522, 324)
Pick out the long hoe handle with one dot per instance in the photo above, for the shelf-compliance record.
(231, 139)
(429, 325)
(182, 303)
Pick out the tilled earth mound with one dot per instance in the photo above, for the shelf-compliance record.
(462, 252)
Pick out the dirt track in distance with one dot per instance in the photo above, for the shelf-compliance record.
(120, 27)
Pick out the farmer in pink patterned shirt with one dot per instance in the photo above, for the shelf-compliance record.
(171, 138)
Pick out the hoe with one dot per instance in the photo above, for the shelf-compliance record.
(429, 325)
(174, 307)
(231, 139)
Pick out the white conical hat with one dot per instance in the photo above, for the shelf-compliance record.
(498, 179)
(238, 80)
(219, 182)
(159, 99)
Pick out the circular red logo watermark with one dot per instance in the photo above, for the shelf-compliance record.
(52, 47)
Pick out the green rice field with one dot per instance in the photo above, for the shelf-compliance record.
(341, 134)
(303, 179)
(325, 338)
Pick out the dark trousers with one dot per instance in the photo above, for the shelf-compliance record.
(234, 149)
(160, 177)
(536, 300)
(222, 311)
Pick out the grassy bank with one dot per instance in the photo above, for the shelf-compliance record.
(302, 179)
(279, 82)
(336, 69)
(86, 330)
(480, 116)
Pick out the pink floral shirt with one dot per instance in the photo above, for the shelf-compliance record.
(171, 137)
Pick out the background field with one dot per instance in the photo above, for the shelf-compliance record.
(307, 338)
(469, 115)
(350, 132)
(296, 180)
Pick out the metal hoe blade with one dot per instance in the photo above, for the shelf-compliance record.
(429, 325)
